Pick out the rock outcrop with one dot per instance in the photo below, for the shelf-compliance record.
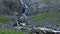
(10, 7)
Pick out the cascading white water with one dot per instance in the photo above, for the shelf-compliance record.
(23, 4)
(17, 22)
(23, 14)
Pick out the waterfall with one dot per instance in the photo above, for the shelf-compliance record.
(23, 4)
(17, 22)
(26, 8)
(23, 15)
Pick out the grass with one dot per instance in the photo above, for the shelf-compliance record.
(40, 16)
(3, 19)
(52, 17)
(11, 32)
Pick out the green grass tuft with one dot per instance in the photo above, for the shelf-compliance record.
(40, 16)
(11, 32)
(3, 19)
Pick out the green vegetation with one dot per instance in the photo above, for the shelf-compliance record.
(52, 17)
(11, 32)
(40, 16)
(3, 19)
